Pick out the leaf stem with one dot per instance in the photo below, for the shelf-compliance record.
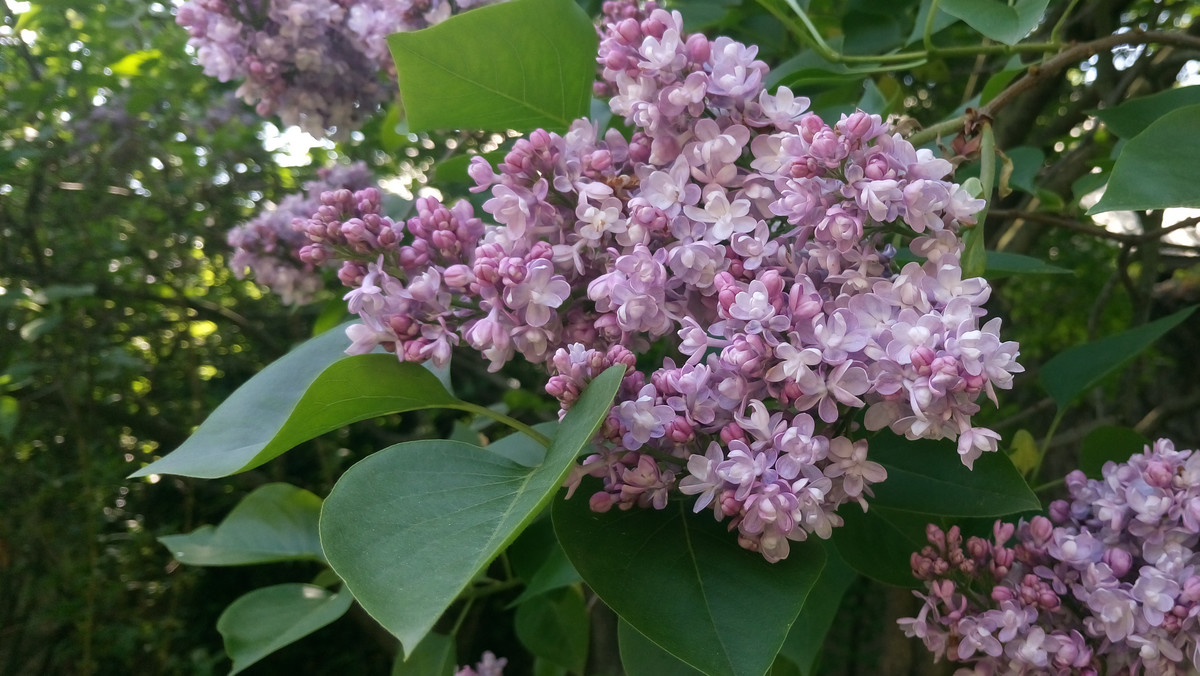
(501, 418)
(1056, 32)
(1066, 58)
(462, 616)
(927, 36)
(1049, 484)
(1037, 469)
(488, 589)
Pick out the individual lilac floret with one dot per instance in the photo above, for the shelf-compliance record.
(736, 234)
(269, 248)
(320, 64)
(1106, 585)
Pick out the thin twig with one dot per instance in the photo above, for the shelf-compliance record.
(1092, 229)
(1051, 67)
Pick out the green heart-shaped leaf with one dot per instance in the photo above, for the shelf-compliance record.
(804, 641)
(1078, 369)
(1156, 168)
(409, 527)
(927, 477)
(267, 619)
(681, 580)
(1007, 22)
(313, 389)
(275, 522)
(515, 65)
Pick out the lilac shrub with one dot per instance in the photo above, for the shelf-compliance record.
(1106, 585)
(268, 247)
(751, 240)
(319, 64)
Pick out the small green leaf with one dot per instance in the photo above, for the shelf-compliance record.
(1076, 370)
(57, 292)
(1090, 182)
(132, 64)
(1000, 80)
(554, 626)
(719, 608)
(1109, 443)
(974, 260)
(515, 65)
(433, 656)
(803, 645)
(39, 327)
(870, 31)
(1027, 162)
(555, 572)
(267, 619)
(928, 477)
(10, 413)
(1133, 116)
(940, 22)
(313, 389)
(409, 527)
(275, 522)
(641, 657)
(1156, 168)
(1001, 21)
(1024, 452)
(1003, 264)
(333, 314)
(701, 14)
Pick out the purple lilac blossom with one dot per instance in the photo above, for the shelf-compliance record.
(1107, 584)
(268, 247)
(319, 64)
(743, 233)
(488, 665)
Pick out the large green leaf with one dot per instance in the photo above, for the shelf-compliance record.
(804, 641)
(1078, 369)
(267, 619)
(1108, 443)
(276, 522)
(311, 390)
(719, 608)
(880, 542)
(1157, 168)
(1007, 22)
(928, 477)
(409, 527)
(516, 65)
(641, 657)
(1133, 116)
(554, 626)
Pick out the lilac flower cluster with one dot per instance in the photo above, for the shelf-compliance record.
(319, 64)
(489, 665)
(269, 247)
(1107, 584)
(740, 232)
